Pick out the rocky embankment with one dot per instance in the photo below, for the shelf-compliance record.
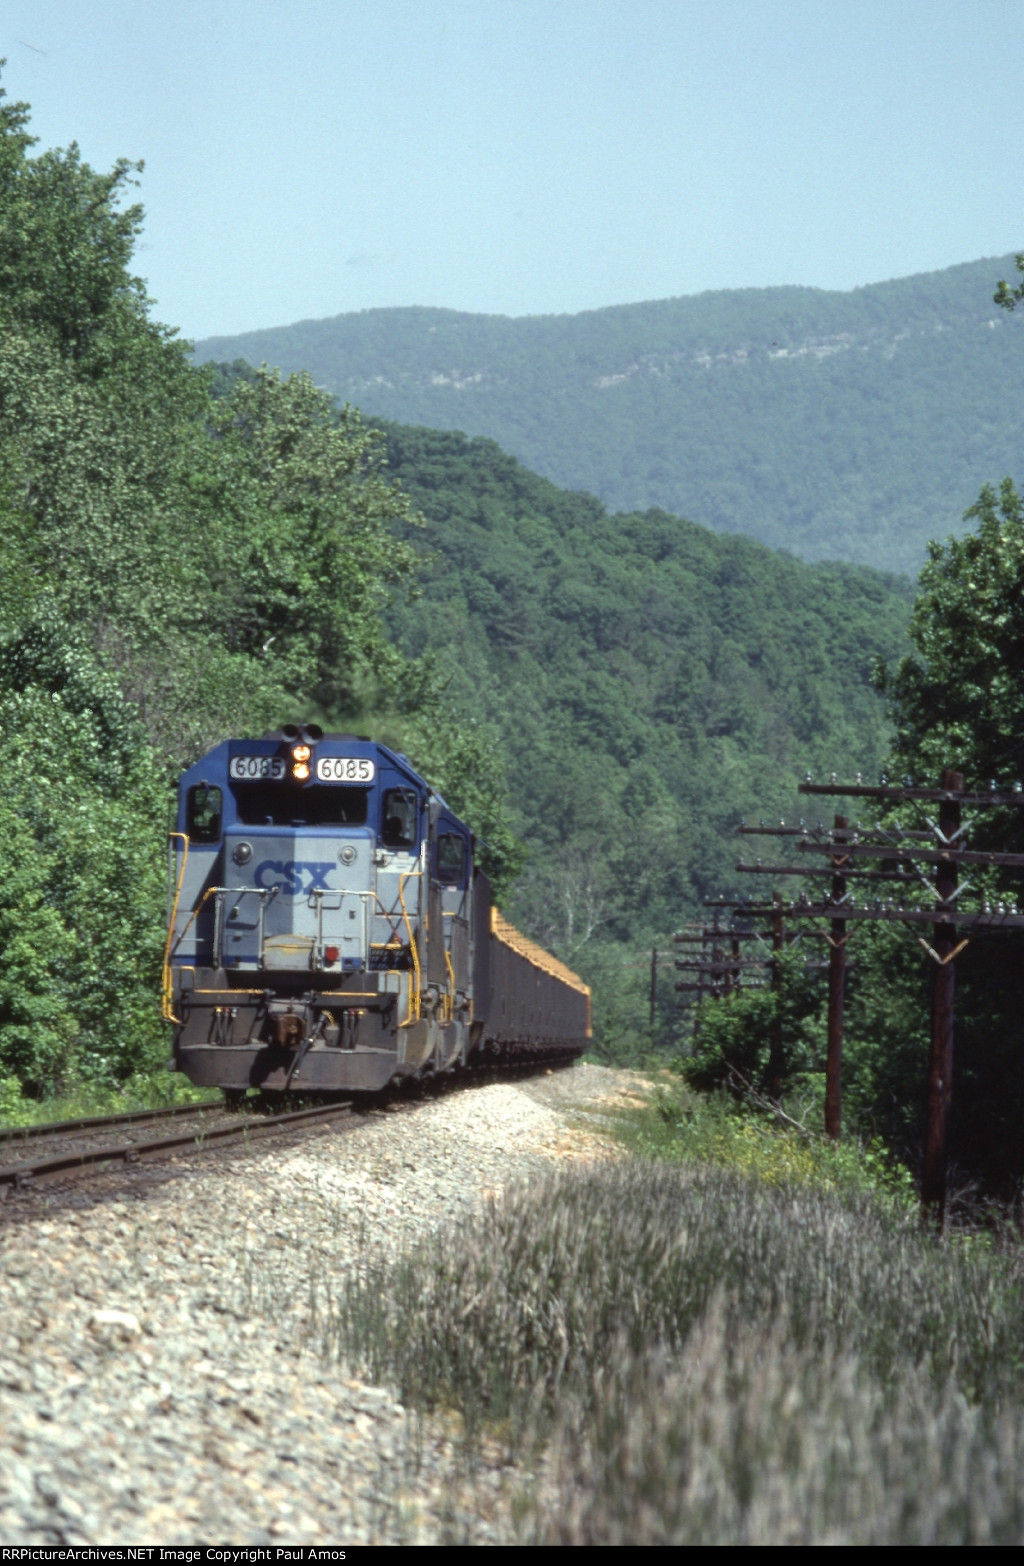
(162, 1369)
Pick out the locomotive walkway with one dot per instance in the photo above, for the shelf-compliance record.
(161, 1375)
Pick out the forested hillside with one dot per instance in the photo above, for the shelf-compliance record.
(186, 557)
(848, 426)
(174, 569)
(648, 683)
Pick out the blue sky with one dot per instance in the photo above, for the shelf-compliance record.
(516, 157)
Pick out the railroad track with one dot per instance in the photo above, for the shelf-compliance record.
(134, 1118)
(76, 1159)
(78, 1148)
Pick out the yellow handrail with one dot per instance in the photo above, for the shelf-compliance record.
(414, 995)
(193, 916)
(166, 981)
(448, 1012)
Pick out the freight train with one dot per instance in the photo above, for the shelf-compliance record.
(329, 930)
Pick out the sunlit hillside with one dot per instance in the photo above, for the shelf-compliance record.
(849, 426)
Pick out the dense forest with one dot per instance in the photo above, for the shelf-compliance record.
(852, 426)
(648, 683)
(187, 555)
(175, 568)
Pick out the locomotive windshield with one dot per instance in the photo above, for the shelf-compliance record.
(400, 818)
(282, 804)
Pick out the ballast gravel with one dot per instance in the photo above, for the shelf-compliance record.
(161, 1376)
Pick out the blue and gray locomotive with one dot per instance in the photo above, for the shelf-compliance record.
(329, 930)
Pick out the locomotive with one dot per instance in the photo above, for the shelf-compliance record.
(329, 930)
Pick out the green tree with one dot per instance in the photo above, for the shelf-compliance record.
(65, 245)
(309, 551)
(1006, 296)
(179, 560)
(83, 821)
(956, 701)
(229, 560)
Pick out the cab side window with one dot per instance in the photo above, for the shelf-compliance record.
(203, 813)
(400, 813)
(451, 854)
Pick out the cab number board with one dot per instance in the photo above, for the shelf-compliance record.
(345, 769)
(255, 767)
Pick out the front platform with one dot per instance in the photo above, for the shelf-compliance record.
(320, 1070)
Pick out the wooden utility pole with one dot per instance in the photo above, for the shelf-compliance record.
(836, 993)
(775, 1059)
(940, 1065)
(941, 847)
(721, 979)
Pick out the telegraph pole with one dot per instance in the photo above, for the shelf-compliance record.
(775, 1056)
(940, 1065)
(836, 991)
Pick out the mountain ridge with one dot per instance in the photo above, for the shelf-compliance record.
(850, 424)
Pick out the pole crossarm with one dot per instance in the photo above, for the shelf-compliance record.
(890, 791)
(782, 830)
(930, 856)
(838, 854)
(987, 919)
(720, 964)
(823, 834)
(929, 864)
(723, 933)
(713, 990)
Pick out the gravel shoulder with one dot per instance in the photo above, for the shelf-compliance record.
(160, 1380)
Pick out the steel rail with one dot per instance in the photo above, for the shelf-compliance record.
(96, 1122)
(17, 1176)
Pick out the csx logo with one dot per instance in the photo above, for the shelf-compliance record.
(292, 877)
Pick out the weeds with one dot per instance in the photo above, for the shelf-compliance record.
(142, 1091)
(681, 1126)
(745, 1438)
(691, 1355)
(745, 1335)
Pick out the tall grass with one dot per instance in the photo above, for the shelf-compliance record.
(682, 1126)
(689, 1355)
(745, 1438)
(154, 1090)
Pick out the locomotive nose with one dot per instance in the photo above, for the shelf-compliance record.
(296, 900)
